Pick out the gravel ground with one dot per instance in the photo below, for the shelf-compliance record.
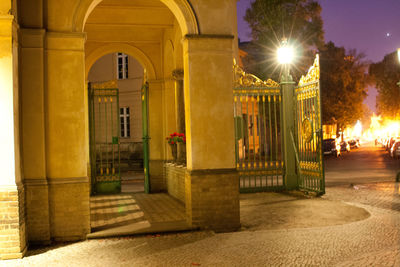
(371, 240)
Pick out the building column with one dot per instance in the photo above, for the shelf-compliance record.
(157, 140)
(212, 182)
(66, 136)
(33, 135)
(177, 75)
(12, 195)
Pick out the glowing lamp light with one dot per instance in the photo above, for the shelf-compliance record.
(285, 54)
(398, 53)
(358, 129)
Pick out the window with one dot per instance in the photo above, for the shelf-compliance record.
(122, 66)
(125, 122)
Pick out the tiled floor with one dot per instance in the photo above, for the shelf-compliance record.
(132, 181)
(130, 213)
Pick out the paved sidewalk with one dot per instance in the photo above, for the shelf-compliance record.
(135, 213)
(361, 230)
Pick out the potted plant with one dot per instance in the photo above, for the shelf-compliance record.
(175, 140)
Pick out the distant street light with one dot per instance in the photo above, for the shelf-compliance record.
(398, 56)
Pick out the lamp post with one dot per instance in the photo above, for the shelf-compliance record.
(285, 55)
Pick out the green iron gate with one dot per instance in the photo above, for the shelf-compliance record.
(146, 138)
(258, 120)
(308, 134)
(104, 137)
(260, 133)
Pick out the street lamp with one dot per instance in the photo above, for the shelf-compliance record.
(285, 56)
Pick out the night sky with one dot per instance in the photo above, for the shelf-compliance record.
(369, 26)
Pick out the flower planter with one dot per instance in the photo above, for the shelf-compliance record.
(174, 151)
(181, 153)
(177, 142)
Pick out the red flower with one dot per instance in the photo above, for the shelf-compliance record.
(172, 143)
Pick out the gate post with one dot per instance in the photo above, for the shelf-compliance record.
(287, 86)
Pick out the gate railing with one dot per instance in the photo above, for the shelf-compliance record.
(258, 120)
(279, 132)
(104, 137)
(309, 131)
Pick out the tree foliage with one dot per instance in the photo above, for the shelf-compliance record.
(271, 21)
(343, 73)
(343, 85)
(385, 74)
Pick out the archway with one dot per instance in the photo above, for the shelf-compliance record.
(131, 50)
(181, 9)
(115, 124)
(116, 26)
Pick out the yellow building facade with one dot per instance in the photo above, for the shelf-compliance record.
(129, 79)
(47, 50)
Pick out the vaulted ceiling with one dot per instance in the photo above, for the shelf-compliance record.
(128, 21)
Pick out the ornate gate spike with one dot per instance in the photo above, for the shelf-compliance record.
(312, 74)
(245, 80)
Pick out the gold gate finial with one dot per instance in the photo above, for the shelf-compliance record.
(243, 79)
(312, 74)
(105, 85)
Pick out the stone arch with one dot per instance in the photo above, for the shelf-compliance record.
(96, 54)
(181, 9)
(169, 48)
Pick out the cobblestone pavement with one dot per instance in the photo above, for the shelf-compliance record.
(374, 241)
(382, 195)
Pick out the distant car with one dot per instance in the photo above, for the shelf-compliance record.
(354, 143)
(395, 150)
(344, 146)
(390, 143)
(331, 147)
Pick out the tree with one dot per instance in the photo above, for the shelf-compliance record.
(385, 74)
(271, 21)
(343, 85)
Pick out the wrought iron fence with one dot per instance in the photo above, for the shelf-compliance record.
(259, 156)
(309, 132)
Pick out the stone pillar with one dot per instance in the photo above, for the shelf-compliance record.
(12, 195)
(157, 140)
(177, 75)
(66, 136)
(33, 135)
(212, 182)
